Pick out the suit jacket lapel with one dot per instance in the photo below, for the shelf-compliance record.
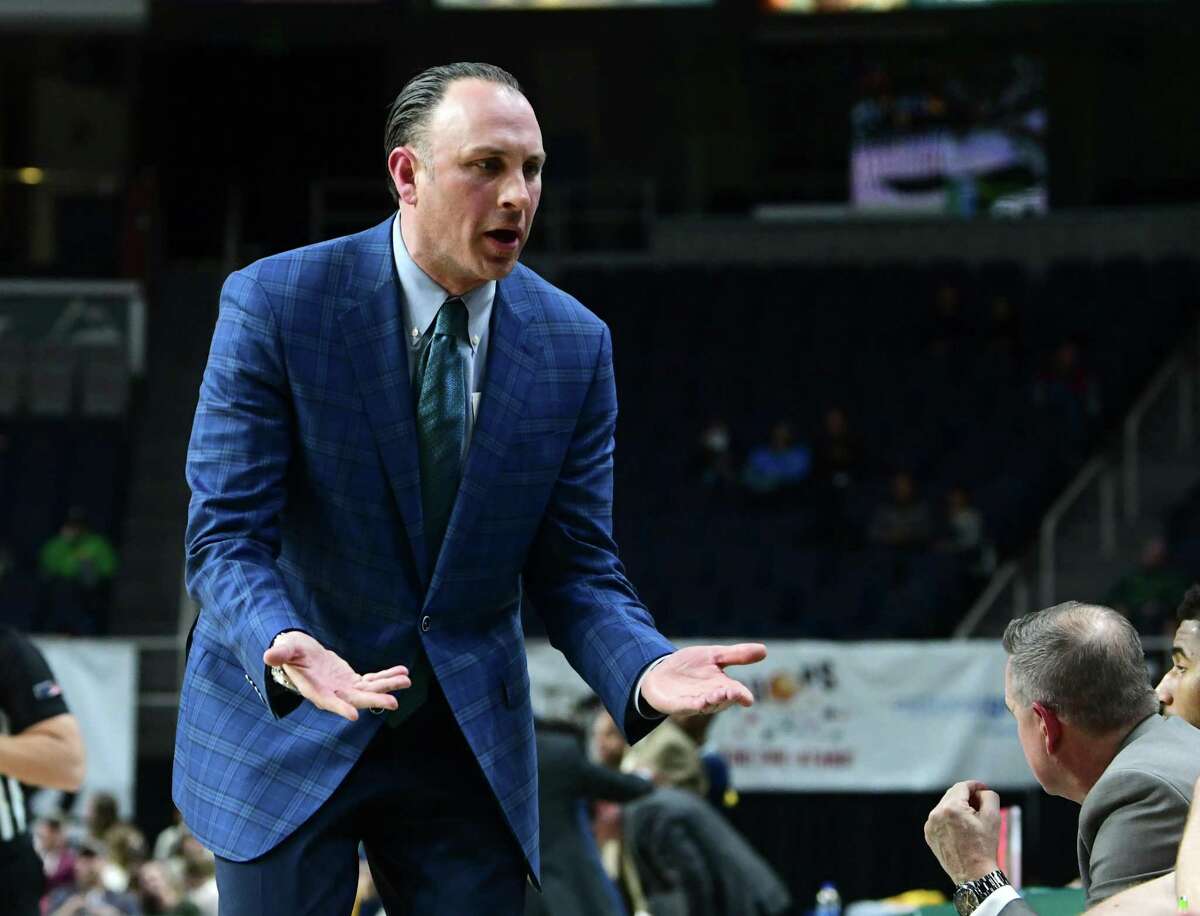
(512, 358)
(376, 343)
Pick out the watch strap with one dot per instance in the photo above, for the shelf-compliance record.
(970, 894)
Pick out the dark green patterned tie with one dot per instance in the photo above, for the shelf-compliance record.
(440, 384)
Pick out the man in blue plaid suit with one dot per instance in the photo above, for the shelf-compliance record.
(315, 468)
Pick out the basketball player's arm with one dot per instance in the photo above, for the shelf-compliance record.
(47, 754)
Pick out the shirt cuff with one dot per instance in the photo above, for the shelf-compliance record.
(996, 901)
(637, 693)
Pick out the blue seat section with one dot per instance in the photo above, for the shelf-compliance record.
(48, 466)
(955, 403)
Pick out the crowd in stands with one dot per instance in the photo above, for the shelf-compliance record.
(865, 439)
(102, 865)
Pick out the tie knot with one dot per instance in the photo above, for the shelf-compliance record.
(452, 319)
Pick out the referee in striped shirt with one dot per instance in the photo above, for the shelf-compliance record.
(40, 745)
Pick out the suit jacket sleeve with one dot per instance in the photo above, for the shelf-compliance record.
(236, 467)
(573, 576)
(1132, 843)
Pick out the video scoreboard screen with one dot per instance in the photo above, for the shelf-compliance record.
(966, 141)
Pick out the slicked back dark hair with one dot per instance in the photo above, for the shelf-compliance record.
(1083, 661)
(1189, 607)
(409, 114)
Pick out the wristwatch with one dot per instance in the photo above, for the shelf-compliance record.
(280, 677)
(969, 895)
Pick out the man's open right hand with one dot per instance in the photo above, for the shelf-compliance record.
(324, 679)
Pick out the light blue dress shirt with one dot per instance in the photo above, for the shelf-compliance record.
(421, 298)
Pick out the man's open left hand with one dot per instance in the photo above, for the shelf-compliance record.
(693, 680)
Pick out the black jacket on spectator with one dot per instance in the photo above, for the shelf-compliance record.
(692, 861)
(573, 881)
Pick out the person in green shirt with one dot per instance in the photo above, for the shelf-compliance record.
(1149, 594)
(76, 565)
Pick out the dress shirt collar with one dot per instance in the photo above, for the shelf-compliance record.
(423, 297)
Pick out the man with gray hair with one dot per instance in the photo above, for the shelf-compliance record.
(1077, 684)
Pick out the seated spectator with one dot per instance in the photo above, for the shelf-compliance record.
(1179, 689)
(608, 745)
(160, 892)
(608, 748)
(837, 457)
(904, 521)
(199, 874)
(1077, 684)
(837, 467)
(167, 843)
(100, 814)
(691, 857)
(1148, 594)
(782, 464)
(947, 327)
(58, 858)
(1004, 338)
(126, 852)
(77, 566)
(715, 462)
(88, 896)
(964, 534)
(573, 880)
(1069, 393)
(668, 756)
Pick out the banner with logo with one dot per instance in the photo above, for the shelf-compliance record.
(850, 717)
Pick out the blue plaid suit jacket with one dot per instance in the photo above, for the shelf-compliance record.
(306, 514)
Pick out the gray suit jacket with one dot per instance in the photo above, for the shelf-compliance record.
(1132, 820)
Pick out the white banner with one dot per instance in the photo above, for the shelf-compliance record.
(99, 683)
(851, 717)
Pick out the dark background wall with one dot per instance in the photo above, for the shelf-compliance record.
(720, 108)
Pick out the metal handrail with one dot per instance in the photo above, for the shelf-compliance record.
(1175, 370)
(1179, 368)
(1009, 573)
(1096, 470)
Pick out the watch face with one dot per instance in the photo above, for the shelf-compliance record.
(965, 901)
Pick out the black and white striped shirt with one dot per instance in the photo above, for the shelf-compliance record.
(28, 694)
